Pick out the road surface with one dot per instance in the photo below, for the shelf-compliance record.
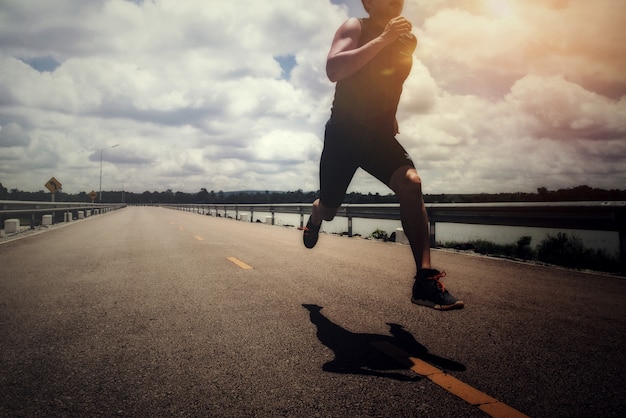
(155, 312)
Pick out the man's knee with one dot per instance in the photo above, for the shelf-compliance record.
(407, 181)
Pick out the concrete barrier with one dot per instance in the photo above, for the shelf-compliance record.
(244, 217)
(11, 226)
(268, 220)
(81, 214)
(401, 236)
(46, 220)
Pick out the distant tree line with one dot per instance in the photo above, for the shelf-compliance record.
(576, 194)
(580, 193)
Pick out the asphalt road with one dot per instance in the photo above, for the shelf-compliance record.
(152, 312)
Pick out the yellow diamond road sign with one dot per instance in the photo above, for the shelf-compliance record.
(93, 195)
(53, 185)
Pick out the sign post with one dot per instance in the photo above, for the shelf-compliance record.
(54, 186)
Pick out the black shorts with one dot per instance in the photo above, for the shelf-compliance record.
(347, 148)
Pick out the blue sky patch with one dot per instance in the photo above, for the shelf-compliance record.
(42, 64)
(287, 63)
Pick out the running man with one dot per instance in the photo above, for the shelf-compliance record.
(369, 60)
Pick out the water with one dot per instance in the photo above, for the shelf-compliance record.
(448, 232)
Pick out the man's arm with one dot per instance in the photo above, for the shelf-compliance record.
(346, 58)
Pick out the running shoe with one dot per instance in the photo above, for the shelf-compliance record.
(430, 291)
(311, 234)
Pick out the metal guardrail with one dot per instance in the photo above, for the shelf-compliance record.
(600, 216)
(595, 216)
(30, 208)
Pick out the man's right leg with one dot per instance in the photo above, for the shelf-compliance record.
(319, 213)
(337, 167)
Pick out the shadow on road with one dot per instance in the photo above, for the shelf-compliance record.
(355, 352)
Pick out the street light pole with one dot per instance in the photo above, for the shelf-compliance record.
(101, 151)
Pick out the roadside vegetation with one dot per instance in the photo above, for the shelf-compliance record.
(561, 249)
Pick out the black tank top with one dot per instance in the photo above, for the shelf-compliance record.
(370, 97)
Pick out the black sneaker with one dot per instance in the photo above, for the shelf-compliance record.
(311, 234)
(428, 290)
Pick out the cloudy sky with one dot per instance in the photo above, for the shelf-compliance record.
(505, 95)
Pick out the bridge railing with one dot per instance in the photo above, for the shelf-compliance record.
(31, 209)
(595, 216)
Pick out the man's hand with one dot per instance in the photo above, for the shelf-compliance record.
(396, 27)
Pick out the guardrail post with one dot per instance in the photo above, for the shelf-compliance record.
(622, 249)
(349, 225)
(432, 232)
(620, 216)
(432, 228)
(347, 214)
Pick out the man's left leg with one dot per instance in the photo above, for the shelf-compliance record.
(407, 185)
(428, 289)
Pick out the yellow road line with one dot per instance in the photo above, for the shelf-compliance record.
(239, 263)
(469, 394)
(199, 238)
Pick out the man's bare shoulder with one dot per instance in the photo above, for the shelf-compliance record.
(350, 28)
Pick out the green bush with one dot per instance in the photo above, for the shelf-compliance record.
(523, 249)
(569, 251)
(379, 234)
(561, 250)
(490, 248)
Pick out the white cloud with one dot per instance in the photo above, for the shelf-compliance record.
(560, 109)
(506, 98)
(12, 135)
